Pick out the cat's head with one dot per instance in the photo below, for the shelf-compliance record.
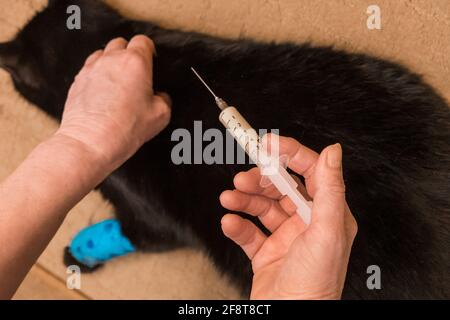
(46, 55)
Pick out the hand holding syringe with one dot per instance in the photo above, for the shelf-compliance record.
(270, 166)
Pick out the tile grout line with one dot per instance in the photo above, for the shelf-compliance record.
(52, 275)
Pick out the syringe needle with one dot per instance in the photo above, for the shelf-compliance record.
(203, 81)
(220, 102)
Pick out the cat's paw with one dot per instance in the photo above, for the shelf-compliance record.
(98, 243)
(69, 260)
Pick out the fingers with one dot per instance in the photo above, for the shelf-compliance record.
(93, 57)
(301, 158)
(159, 115)
(249, 182)
(267, 210)
(143, 45)
(116, 44)
(244, 233)
(161, 106)
(329, 207)
(165, 97)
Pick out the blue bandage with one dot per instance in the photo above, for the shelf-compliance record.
(99, 243)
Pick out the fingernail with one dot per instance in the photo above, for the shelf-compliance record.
(334, 156)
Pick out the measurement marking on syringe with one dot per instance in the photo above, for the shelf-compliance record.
(286, 185)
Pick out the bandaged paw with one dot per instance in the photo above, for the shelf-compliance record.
(99, 243)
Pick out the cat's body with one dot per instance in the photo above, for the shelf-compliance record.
(394, 129)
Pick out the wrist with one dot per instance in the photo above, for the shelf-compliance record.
(78, 158)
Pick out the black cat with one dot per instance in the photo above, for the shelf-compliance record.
(395, 131)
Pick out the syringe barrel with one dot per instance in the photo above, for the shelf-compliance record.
(241, 131)
(248, 139)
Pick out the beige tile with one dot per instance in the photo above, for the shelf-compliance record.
(42, 285)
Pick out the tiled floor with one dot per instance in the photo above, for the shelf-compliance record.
(42, 284)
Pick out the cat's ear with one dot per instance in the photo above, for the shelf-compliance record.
(9, 55)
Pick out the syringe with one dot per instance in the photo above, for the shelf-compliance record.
(270, 166)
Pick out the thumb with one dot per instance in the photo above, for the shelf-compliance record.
(329, 198)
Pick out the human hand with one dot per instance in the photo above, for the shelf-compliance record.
(111, 107)
(295, 261)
